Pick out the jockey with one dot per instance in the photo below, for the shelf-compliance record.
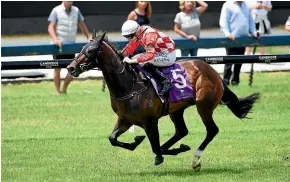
(160, 50)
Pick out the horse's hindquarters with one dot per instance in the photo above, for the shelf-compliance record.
(204, 79)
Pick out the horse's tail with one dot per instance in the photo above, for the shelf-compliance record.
(240, 107)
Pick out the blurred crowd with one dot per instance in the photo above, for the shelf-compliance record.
(237, 19)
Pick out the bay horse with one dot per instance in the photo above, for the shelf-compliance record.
(136, 102)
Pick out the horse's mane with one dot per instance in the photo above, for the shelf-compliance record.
(113, 45)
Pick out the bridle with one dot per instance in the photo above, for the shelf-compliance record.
(85, 66)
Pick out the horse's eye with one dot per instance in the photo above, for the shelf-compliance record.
(90, 50)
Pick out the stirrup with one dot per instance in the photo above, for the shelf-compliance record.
(166, 85)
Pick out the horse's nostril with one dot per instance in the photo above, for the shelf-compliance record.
(84, 67)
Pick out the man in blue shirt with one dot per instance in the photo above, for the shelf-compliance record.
(236, 21)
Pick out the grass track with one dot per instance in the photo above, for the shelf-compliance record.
(65, 138)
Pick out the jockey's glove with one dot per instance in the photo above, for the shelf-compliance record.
(130, 61)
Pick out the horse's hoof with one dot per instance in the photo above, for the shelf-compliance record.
(158, 160)
(184, 147)
(139, 139)
(197, 168)
(196, 164)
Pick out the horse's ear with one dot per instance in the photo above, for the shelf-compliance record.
(94, 34)
(101, 38)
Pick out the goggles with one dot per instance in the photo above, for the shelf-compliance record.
(130, 36)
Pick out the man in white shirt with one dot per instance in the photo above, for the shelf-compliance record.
(63, 25)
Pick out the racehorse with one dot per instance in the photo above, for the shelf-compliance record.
(136, 102)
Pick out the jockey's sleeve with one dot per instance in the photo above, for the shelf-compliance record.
(149, 43)
(132, 46)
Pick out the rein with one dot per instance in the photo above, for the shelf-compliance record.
(132, 92)
(118, 57)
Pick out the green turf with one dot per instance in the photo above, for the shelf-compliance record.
(65, 138)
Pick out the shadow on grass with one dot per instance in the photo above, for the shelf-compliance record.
(185, 172)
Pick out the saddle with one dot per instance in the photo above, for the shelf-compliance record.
(149, 71)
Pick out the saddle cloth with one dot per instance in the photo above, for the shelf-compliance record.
(181, 89)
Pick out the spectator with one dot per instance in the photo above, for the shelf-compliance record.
(260, 11)
(287, 25)
(62, 28)
(142, 13)
(235, 21)
(187, 22)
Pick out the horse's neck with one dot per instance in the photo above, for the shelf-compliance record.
(119, 85)
(118, 78)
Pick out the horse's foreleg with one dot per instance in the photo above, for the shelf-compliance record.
(119, 129)
(151, 129)
(180, 132)
(180, 129)
(176, 151)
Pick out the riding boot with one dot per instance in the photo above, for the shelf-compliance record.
(164, 81)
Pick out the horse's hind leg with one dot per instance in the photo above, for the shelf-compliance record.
(180, 130)
(121, 127)
(205, 105)
(212, 130)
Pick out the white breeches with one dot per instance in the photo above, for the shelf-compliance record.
(161, 59)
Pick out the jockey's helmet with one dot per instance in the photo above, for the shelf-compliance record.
(129, 28)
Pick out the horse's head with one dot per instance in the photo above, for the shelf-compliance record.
(87, 58)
